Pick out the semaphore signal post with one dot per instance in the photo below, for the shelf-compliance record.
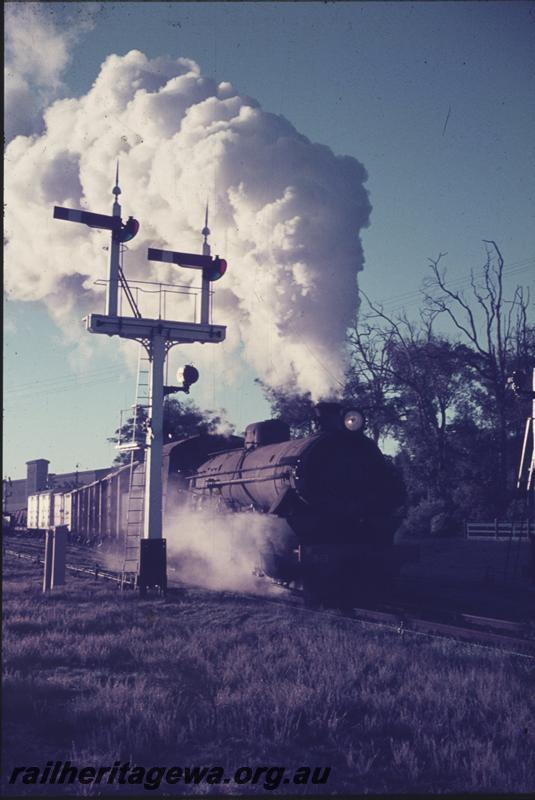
(157, 335)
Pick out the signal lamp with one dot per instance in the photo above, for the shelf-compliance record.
(354, 420)
(129, 230)
(216, 270)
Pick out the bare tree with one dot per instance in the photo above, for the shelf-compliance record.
(369, 377)
(412, 377)
(495, 327)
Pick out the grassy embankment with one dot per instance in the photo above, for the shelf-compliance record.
(93, 676)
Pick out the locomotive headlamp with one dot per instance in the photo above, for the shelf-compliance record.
(354, 420)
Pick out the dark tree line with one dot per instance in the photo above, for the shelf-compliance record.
(442, 401)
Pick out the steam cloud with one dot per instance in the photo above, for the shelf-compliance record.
(37, 54)
(286, 213)
(219, 550)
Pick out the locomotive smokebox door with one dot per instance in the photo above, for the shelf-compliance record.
(153, 566)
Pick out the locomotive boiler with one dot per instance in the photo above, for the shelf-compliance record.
(339, 495)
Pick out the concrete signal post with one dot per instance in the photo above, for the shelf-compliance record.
(157, 336)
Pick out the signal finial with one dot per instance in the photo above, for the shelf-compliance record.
(116, 190)
(206, 230)
(206, 233)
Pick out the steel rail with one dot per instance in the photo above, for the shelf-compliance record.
(86, 553)
(96, 572)
(409, 624)
(403, 622)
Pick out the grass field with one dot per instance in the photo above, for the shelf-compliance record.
(207, 678)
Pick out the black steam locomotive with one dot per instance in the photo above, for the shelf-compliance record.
(339, 495)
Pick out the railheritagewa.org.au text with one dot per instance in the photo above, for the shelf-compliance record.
(269, 777)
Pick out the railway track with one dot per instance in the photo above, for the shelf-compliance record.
(84, 560)
(506, 636)
(483, 631)
(96, 571)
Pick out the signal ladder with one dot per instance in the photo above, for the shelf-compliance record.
(136, 480)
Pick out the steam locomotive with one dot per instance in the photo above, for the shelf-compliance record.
(339, 495)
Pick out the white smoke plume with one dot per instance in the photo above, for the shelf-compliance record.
(37, 55)
(284, 212)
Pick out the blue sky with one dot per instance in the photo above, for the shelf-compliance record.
(436, 100)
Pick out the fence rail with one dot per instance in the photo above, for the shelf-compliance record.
(502, 531)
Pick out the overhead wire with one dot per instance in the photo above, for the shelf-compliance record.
(414, 296)
(51, 383)
(60, 390)
(460, 283)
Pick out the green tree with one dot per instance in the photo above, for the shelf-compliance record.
(296, 409)
(134, 429)
(410, 382)
(445, 402)
(181, 419)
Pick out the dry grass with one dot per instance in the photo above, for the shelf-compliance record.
(209, 678)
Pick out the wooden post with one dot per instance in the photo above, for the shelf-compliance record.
(47, 576)
(59, 551)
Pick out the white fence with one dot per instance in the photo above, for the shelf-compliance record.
(502, 531)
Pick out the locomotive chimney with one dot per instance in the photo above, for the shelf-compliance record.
(328, 416)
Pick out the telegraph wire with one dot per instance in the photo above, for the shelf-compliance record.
(515, 267)
(55, 392)
(52, 391)
(461, 283)
(48, 383)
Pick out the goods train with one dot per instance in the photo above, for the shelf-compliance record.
(338, 496)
